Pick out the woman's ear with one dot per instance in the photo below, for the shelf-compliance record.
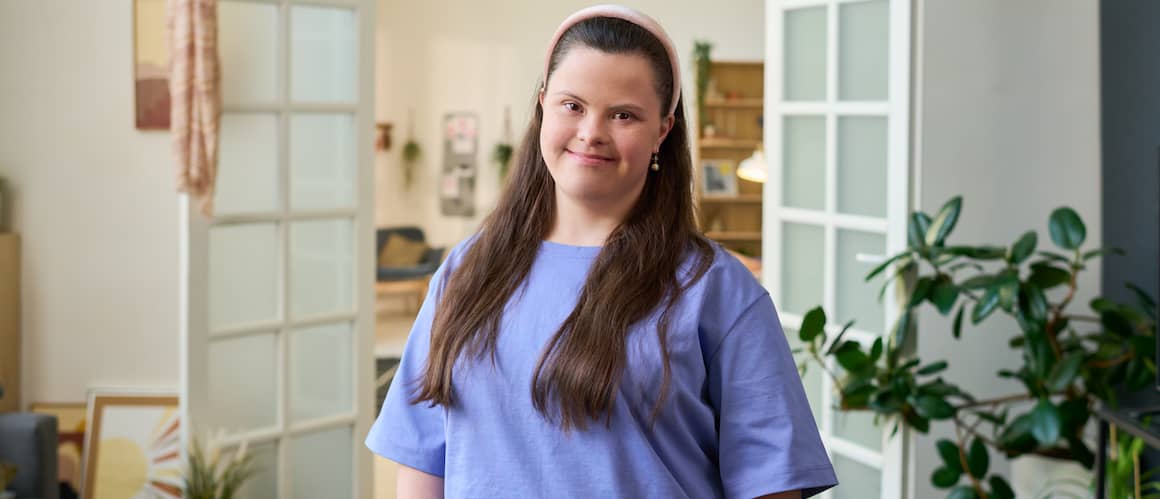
(666, 127)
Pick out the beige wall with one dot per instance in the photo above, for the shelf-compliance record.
(455, 55)
(94, 202)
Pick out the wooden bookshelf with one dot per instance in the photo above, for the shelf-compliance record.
(734, 106)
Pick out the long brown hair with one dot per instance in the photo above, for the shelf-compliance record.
(636, 271)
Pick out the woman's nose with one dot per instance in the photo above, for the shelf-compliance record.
(592, 130)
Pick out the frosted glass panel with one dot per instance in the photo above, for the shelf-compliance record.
(247, 179)
(264, 483)
(320, 464)
(812, 381)
(858, 427)
(801, 267)
(247, 42)
(322, 161)
(243, 274)
(855, 298)
(804, 172)
(862, 166)
(320, 372)
(321, 267)
(323, 54)
(863, 50)
(242, 387)
(858, 480)
(805, 54)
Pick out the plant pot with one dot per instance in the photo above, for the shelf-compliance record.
(1037, 476)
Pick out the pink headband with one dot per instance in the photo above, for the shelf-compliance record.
(633, 16)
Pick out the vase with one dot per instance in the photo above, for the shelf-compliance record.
(1037, 476)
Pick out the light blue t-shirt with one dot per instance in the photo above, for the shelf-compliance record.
(736, 422)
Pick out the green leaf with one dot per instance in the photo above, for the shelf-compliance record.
(884, 265)
(977, 459)
(899, 335)
(1017, 436)
(949, 452)
(1051, 255)
(851, 357)
(958, 324)
(944, 294)
(1000, 489)
(963, 492)
(979, 281)
(1032, 302)
(932, 368)
(916, 231)
(876, 350)
(919, 423)
(921, 291)
(945, 478)
(1008, 289)
(838, 339)
(978, 252)
(932, 407)
(1144, 299)
(1023, 248)
(985, 306)
(944, 222)
(1101, 252)
(1064, 372)
(1045, 423)
(1067, 229)
(813, 325)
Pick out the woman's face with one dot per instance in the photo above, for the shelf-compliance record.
(602, 123)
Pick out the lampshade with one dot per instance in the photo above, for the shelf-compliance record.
(753, 168)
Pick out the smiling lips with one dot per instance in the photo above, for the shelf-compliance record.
(590, 159)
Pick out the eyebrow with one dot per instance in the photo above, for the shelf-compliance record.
(628, 107)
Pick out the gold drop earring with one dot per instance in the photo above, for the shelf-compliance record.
(655, 166)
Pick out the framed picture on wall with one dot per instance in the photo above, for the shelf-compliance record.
(133, 446)
(718, 178)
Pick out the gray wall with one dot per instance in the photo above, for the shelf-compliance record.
(1008, 117)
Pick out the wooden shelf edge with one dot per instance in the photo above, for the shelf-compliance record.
(751, 103)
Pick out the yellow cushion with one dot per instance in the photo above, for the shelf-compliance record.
(401, 252)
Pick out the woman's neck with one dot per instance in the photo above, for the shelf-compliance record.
(586, 223)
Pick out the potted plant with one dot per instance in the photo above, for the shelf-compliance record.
(1070, 360)
(702, 63)
(212, 477)
(411, 153)
(502, 154)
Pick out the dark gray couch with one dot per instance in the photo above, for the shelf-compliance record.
(29, 441)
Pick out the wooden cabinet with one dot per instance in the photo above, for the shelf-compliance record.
(729, 131)
(10, 321)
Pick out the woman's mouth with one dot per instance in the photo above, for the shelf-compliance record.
(589, 159)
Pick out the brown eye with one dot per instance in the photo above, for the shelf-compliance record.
(572, 106)
(622, 116)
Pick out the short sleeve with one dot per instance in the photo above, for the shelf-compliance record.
(768, 440)
(413, 434)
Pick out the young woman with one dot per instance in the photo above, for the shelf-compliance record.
(589, 342)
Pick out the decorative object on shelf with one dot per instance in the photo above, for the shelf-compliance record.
(411, 152)
(702, 61)
(211, 475)
(502, 154)
(133, 446)
(754, 168)
(1070, 360)
(71, 423)
(717, 178)
(457, 184)
(383, 136)
(150, 65)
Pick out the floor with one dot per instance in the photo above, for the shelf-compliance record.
(391, 329)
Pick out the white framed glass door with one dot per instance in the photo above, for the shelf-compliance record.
(277, 312)
(837, 131)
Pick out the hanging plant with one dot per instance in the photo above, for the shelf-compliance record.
(702, 62)
(411, 152)
(502, 154)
